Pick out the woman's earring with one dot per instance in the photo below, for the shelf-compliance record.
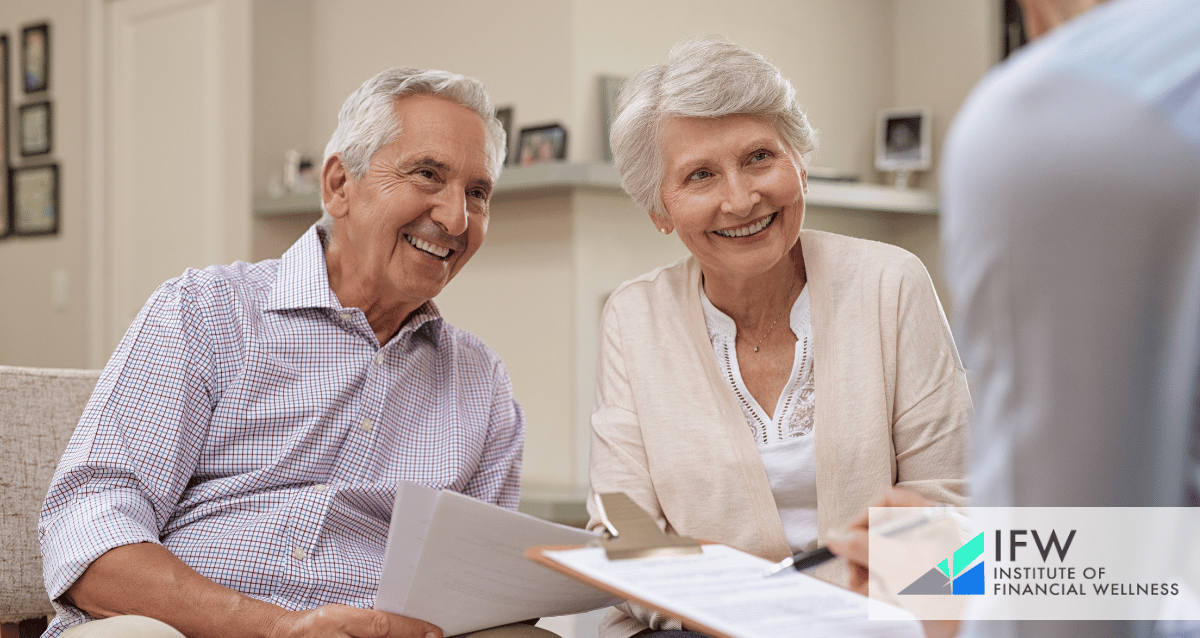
(663, 230)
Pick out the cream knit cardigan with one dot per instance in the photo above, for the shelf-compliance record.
(892, 404)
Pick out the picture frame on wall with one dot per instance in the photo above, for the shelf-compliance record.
(34, 128)
(541, 144)
(6, 214)
(505, 115)
(35, 58)
(33, 199)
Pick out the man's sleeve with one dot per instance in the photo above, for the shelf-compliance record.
(136, 445)
(498, 479)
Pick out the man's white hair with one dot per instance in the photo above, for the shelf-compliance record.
(367, 121)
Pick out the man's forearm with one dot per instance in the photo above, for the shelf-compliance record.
(148, 580)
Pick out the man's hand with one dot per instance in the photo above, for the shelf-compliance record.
(148, 580)
(341, 621)
(850, 540)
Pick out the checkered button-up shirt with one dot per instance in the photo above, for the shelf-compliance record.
(254, 427)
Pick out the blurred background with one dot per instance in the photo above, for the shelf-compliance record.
(181, 130)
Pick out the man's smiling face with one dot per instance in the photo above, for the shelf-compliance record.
(420, 211)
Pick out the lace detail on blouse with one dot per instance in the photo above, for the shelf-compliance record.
(793, 415)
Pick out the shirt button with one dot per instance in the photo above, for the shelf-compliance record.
(365, 425)
(379, 359)
(346, 316)
(298, 553)
(319, 487)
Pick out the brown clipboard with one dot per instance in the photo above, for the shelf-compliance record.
(538, 555)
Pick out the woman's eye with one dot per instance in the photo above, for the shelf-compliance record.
(699, 175)
(759, 156)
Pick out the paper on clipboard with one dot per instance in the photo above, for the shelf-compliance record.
(724, 592)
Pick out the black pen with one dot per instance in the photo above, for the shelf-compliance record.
(802, 561)
(815, 557)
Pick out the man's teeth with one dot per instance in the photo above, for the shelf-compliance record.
(432, 249)
(746, 231)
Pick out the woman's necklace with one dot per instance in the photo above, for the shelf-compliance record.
(779, 314)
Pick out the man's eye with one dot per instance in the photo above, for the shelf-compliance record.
(426, 173)
(477, 193)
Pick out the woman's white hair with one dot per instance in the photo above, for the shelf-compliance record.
(706, 76)
(367, 121)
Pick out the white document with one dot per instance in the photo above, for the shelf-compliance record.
(726, 590)
(460, 564)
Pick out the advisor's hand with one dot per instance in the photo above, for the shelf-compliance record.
(341, 621)
(850, 540)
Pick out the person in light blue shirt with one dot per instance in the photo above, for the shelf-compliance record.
(1071, 235)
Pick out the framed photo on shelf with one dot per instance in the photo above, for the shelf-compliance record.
(33, 132)
(33, 196)
(35, 57)
(505, 115)
(610, 87)
(904, 140)
(539, 144)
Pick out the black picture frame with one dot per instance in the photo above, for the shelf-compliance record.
(33, 199)
(35, 58)
(1012, 28)
(35, 122)
(6, 219)
(541, 144)
(505, 115)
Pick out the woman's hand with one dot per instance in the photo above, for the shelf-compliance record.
(850, 540)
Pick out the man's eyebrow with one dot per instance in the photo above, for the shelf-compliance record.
(483, 182)
(428, 161)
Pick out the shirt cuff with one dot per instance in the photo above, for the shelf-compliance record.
(87, 528)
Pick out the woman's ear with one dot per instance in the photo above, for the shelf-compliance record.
(663, 223)
(335, 184)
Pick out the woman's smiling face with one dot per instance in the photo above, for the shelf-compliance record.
(734, 191)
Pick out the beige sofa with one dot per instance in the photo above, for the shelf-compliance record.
(39, 408)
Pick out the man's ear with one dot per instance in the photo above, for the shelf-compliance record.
(335, 186)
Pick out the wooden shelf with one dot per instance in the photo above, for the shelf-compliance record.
(517, 181)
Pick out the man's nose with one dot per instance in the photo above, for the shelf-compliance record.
(450, 211)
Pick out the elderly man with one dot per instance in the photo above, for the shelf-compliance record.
(234, 472)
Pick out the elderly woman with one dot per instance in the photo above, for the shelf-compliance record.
(760, 391)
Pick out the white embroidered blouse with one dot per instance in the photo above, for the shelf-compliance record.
(785, 440)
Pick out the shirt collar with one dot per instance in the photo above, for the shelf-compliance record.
(303, 282)
(723, 323)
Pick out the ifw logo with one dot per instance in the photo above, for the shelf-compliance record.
(961, 581)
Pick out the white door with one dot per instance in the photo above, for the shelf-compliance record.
(174, 184)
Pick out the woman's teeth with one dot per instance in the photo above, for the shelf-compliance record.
(746, 231)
